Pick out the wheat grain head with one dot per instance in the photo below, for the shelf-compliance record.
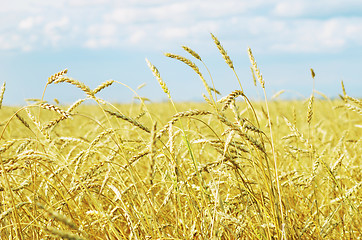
(222, 51)
(2, 91)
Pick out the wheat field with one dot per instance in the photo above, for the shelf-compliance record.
(228, 168)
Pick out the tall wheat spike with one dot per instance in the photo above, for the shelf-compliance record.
(103, 85)
(55, 109)
(310, 109)
(128, 119)
(76, 83)
(156, 73)
(192, 52)
(2, 91)
(222, 51)
(229, 98)
(53, 77)
(193, 66)
(256, 69)
(343, 89)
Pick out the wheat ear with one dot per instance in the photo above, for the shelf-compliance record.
(8, 211)
(128, 119)
(223, 52)
(103, 85)
(53, 77)
(312, 73)
(74, 105)
(64, 234)
(22, 120)
(191, 113)
(230, 98)
(152, 148)
(54, 122)
(2, 94)
(255, 68)
(156, 73)
(193, 66)
(7, 145)
(310, 109)
(343, 89)
(354, 100)
(177, 116)
(76, 83)
(57, 216)
(192, 52)
(55, 109)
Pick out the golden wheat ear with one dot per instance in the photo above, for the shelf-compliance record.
(255, 69)
(229, 98)
(192, 52)
(103, 86)
(2, 91)
(53, 77)
(55, 109)
(128, 119)
(157, 74)
(222, 51)
(76, 83)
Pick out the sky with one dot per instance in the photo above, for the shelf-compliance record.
(99, 40)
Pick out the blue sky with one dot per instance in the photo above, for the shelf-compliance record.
(98, 40)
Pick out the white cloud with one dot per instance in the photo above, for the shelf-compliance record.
(103, 30)
(57, 30)
(30, 22)
(123, 15)
(86, 3)
(137, 37)
(271, 25)
(320, 35)
(320, 8)
(290, 8)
